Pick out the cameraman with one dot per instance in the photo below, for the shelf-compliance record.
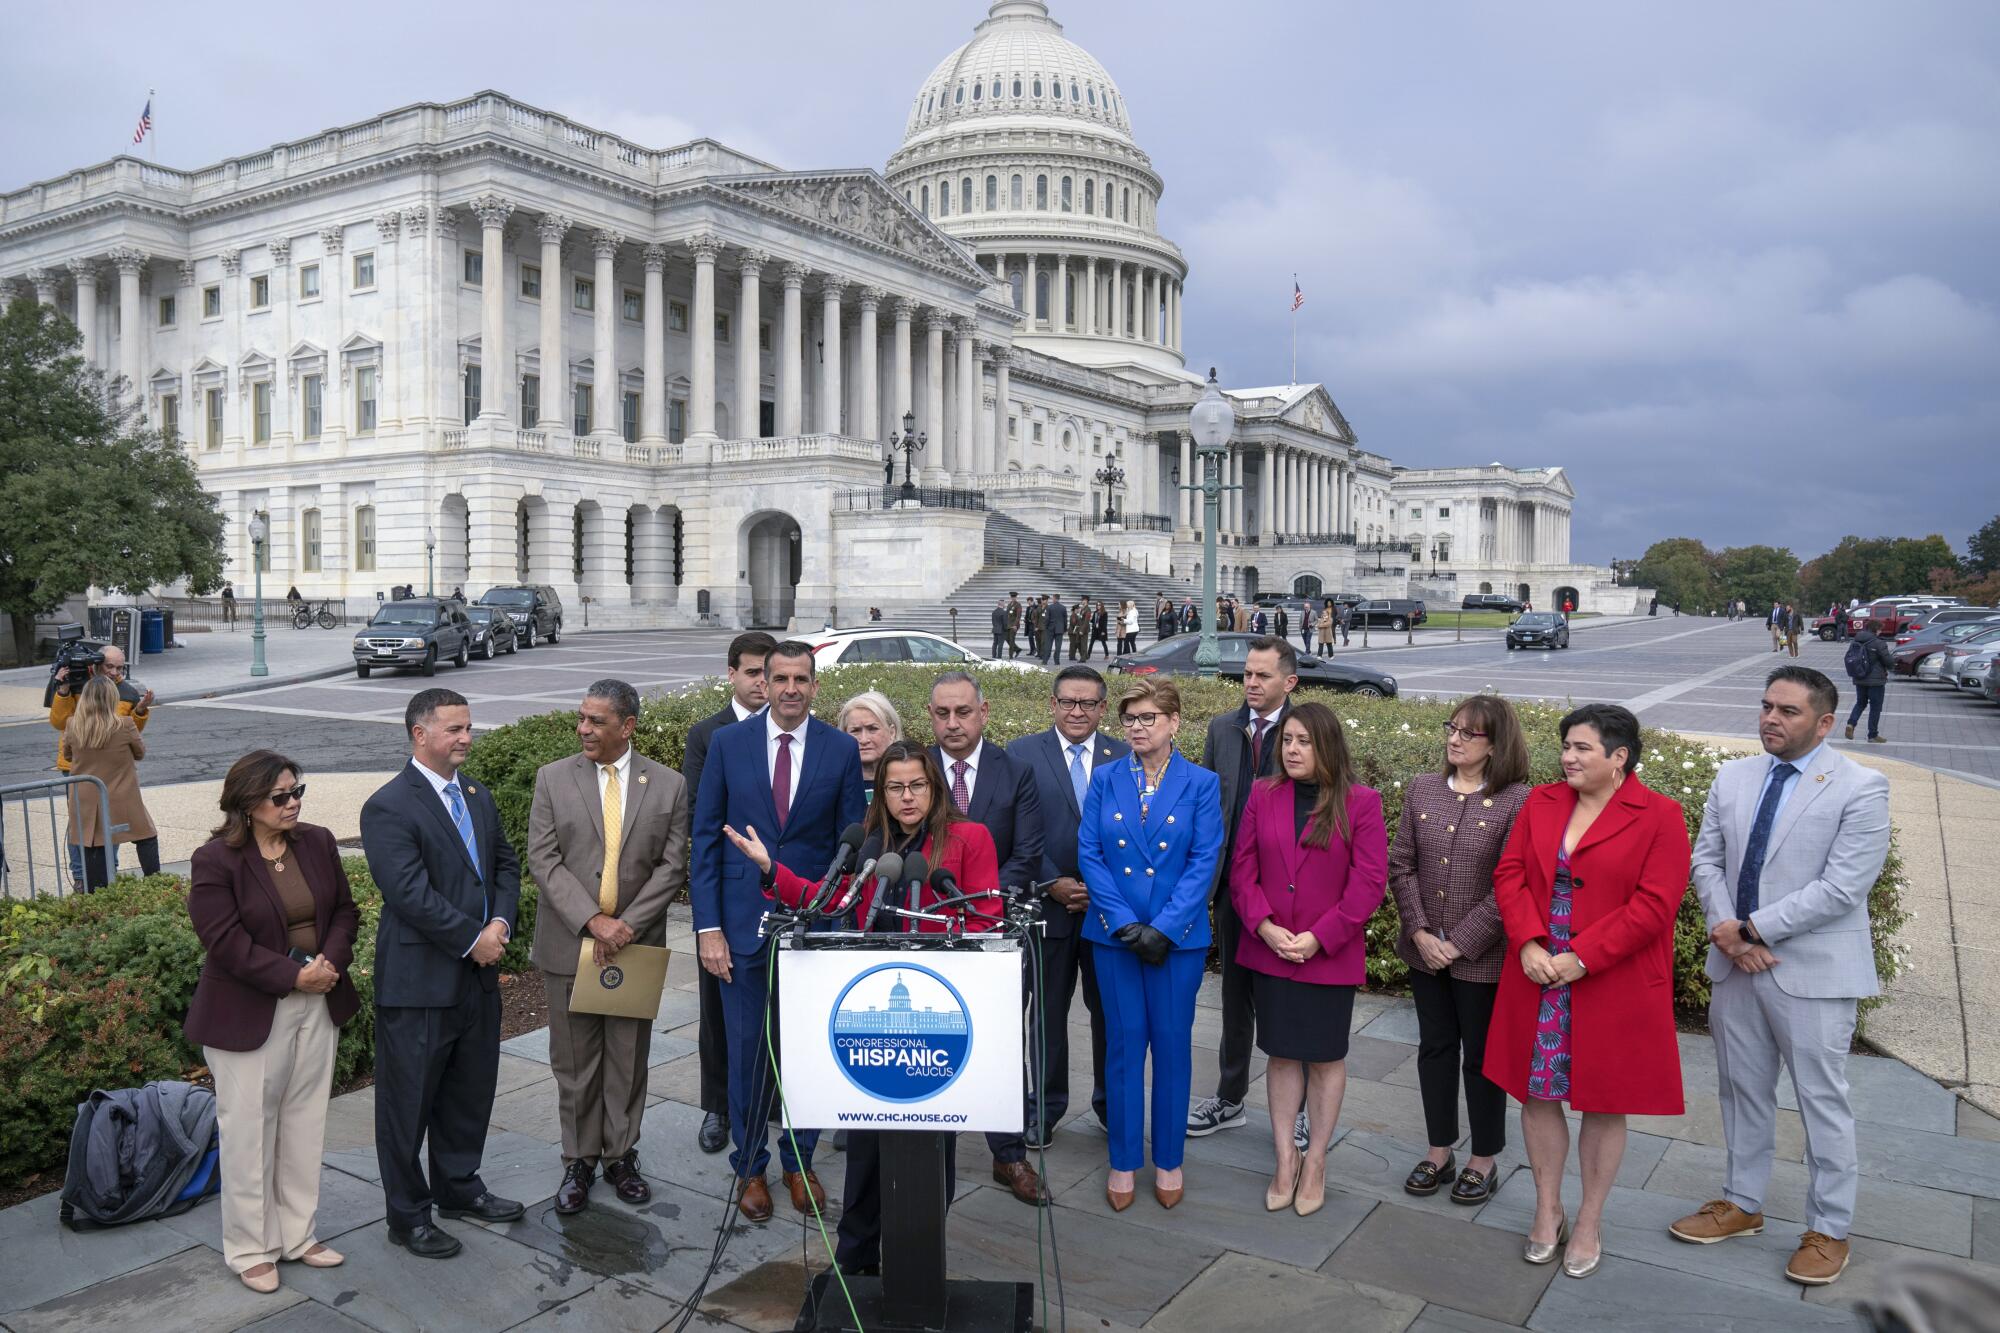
(132, 703)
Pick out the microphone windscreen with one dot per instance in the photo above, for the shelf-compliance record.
(942, 881)
(872, 848)
(915, 869)
(889, 867)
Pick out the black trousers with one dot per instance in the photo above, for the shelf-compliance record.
(1065, 960)
(713, 1044)
(1452, 1018)
(434, 1074)
(859, 1244)
(97, 871)
(1239, 1010)
(999, 641)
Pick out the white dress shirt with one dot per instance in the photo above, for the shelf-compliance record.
(1089, 757)
(971, 763)
(438, 783)
(798, 734)
(742, 714)
(623, 766)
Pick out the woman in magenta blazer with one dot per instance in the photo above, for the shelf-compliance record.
(1311, 866)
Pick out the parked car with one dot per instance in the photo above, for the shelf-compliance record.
(415, 632)
(1395, 612)
(1539, 629)
(881, 643)
(1888, 617)
(1953, 659)
(1992, 691)
(1970, 671)
(1175, 657)
(1490, 601)
(536, 610)
(1909, 654)
(492, 631)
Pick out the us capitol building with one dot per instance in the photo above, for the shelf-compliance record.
(479, 342)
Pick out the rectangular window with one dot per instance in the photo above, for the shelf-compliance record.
(309, 541)
(475, 269)
(364, 270)
(764, 336)
(260, 412)
(364, 399)
(1013, 428)
(260, 291)
(166, 312)
(213, 403)
(1014, 193)
(633, 305)
(630, 402)
(677, 316)
(364, 539)
(1066, 197)
(531, 282)
(312, 401)
(1042, 192)
(531, 401)
(722, 328)
(1037, 437)
(677, 415)
(1444, 511)
(308, 282)
(170, 417)
(211, 303)
(580, 409)
(584, 294)
(471, 393)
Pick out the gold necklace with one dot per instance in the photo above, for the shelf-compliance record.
(277, 863)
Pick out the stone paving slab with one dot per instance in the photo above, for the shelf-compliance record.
(345, 1202)
(1634, 1297)
(1444, 1319)
(189, 1292)
(1869, 1259)
(41, 1259)
(1229, 1203)
(1239, 1291)
(535, 1046)
(608, 1307)
(307, 1317)
(1940, 1161)
(1477, 1270)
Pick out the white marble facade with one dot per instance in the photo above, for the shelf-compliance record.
(477, 342)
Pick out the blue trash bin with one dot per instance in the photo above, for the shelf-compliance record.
(152, 630)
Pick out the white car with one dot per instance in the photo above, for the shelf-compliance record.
(881, 643)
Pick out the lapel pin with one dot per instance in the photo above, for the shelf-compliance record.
(471, 790)
(642, 779)
(1819, 777)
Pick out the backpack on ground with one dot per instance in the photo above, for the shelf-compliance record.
(140, 1153)
(1856, 660)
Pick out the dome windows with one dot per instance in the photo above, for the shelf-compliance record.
(1017, 85)
(977, 89)
(965, 195)
(1038, 85)
(996, 85)
(1042, 193)
(959, 99)
(1090, 95)
(944, 198)
(1066, 198)
(1073, 96)
(992, 194)
(926, 205)
(1090, 196)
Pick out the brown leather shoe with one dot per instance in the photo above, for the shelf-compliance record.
(622, 1174)
(574, 1193)
(1718, 1219)
(798, 1182)
(755, 1202)
(1820, 1259)
(1021, 1181)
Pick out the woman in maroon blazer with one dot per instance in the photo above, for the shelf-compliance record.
(1311, 866)
(1588, 889)
(270, 901)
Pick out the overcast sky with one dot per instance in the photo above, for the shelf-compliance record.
(1733, 265)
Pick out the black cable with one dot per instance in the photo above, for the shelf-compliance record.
(1042, 1128)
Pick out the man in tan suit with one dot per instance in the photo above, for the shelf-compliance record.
(608, 844)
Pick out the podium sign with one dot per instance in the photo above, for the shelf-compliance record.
(912, 1039)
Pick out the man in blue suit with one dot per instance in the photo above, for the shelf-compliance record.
(989, 788)
(797, 781)
(1060, 762)
(450, 885)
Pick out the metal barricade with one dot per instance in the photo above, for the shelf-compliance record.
(32, 864)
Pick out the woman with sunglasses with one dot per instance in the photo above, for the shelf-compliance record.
(1454, 826)
(1147, 844)
(270, 901)
(911, 813)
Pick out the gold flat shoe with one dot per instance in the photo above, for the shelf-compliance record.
(1572, 1268)
(1541, 1254)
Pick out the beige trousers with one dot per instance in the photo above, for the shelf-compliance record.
(271, 1112)
(600, 1068)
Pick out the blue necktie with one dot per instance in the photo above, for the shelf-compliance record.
(1760, 839)
(1078, 778)
(463, 818)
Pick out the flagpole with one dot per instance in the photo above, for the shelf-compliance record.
(153, 135)
(1295, 330)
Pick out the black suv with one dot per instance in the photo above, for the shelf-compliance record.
(535, 609)
(1395, 612)
(1490, 601)
(414, 632)
(1539, 629)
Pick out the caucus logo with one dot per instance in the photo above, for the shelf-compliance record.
(900, 1032)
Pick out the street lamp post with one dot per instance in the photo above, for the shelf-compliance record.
(1211, 421)
(1110, 477)
(430, 570)
(260, 532)
(911, 443)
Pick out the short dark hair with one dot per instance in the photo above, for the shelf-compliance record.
(1288, 657)
(1078, 671)
(424, 704)
(1825, 695)
(248, 783)
(624, 700)
(959, 678)
(754, 643)
(1615, 725)
(793, 648)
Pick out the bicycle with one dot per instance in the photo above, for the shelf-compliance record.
(305, 614)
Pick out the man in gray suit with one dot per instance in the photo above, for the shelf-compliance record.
(608, 844)
(1791, 842)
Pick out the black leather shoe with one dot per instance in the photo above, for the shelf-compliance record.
(573, 1195)
(622, 1174)
(426, 1242)
(714, 1136)
(488, 1207)
(1427, 1176)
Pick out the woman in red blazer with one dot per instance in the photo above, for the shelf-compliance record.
(1588, 889)
(270, 901)
(1311, 866)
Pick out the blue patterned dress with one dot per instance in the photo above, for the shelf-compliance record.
(1548, 1070)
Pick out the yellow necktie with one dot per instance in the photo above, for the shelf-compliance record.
(614, 830)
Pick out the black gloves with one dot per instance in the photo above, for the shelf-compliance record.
(1151, 946)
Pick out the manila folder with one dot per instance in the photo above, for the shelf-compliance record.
(628, 986)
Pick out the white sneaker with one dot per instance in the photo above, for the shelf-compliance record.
(1212, 1113)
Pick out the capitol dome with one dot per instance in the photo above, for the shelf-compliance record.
(1019, 145)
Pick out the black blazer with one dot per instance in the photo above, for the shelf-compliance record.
(1005, 801)
(431, 897)
(1042, 757)
(1226, 753)
(695, 752)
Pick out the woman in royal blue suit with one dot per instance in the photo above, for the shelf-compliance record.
(1148, 843)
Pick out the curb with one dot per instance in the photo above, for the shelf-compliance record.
(262, 683)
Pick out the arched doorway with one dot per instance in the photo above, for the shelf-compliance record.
(771, 544)
(1486, 587)
(1249, 583)
(1521, 592)
(1306, 585)
(1566, 599)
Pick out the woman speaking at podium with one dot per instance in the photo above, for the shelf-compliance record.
(912, 813)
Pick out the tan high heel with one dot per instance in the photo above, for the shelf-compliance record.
(1119, 1200)
(1276, 1199)
(1166, 1197)
(1310, 1200)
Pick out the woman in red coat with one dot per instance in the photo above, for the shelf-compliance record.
(1588, 889)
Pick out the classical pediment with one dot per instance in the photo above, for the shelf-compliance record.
(1315, 410)
(857, 204)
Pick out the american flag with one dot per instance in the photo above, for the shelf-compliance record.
(1298, 297)
(145, 124)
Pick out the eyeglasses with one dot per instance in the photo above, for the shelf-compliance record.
(921, 787)
(1144, 721)
(1453, 729)
(286, 797)
(1077, 705)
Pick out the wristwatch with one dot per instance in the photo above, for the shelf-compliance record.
(1749, 931)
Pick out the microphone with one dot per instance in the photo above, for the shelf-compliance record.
(888, 871)
(843, 855)
(943, 883)
(913, 870)
(842, 858)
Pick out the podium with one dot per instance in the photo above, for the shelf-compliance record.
(919, 1038)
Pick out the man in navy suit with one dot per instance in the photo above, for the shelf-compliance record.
(746, 697)
(797, 781)
(991, 789)
(1060, 761)
(450, 885)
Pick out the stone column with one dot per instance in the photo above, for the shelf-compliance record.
(653, 353)
(830, 292)
(606, 412)
(1004, 450)
(986, 450)
(283, 297)
(495, 362)
(1118, 299)
(1267, 496)
(1237, 518)
(1028, 294)
(934, 326)
(1059, 295)
(701, 368)
(969, 462)
(1184, 501)
(868, 374)
(652, 554)
(44, 282)
(553, 411)
(900, 362)
(132, 323)
(951, 447)
(791, 352)
(1149, 283)
(85, 273)
(1089, 296)
(749, 355)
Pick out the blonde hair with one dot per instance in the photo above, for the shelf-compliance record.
(877, 703)
(1163, 693)
(96, 718)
